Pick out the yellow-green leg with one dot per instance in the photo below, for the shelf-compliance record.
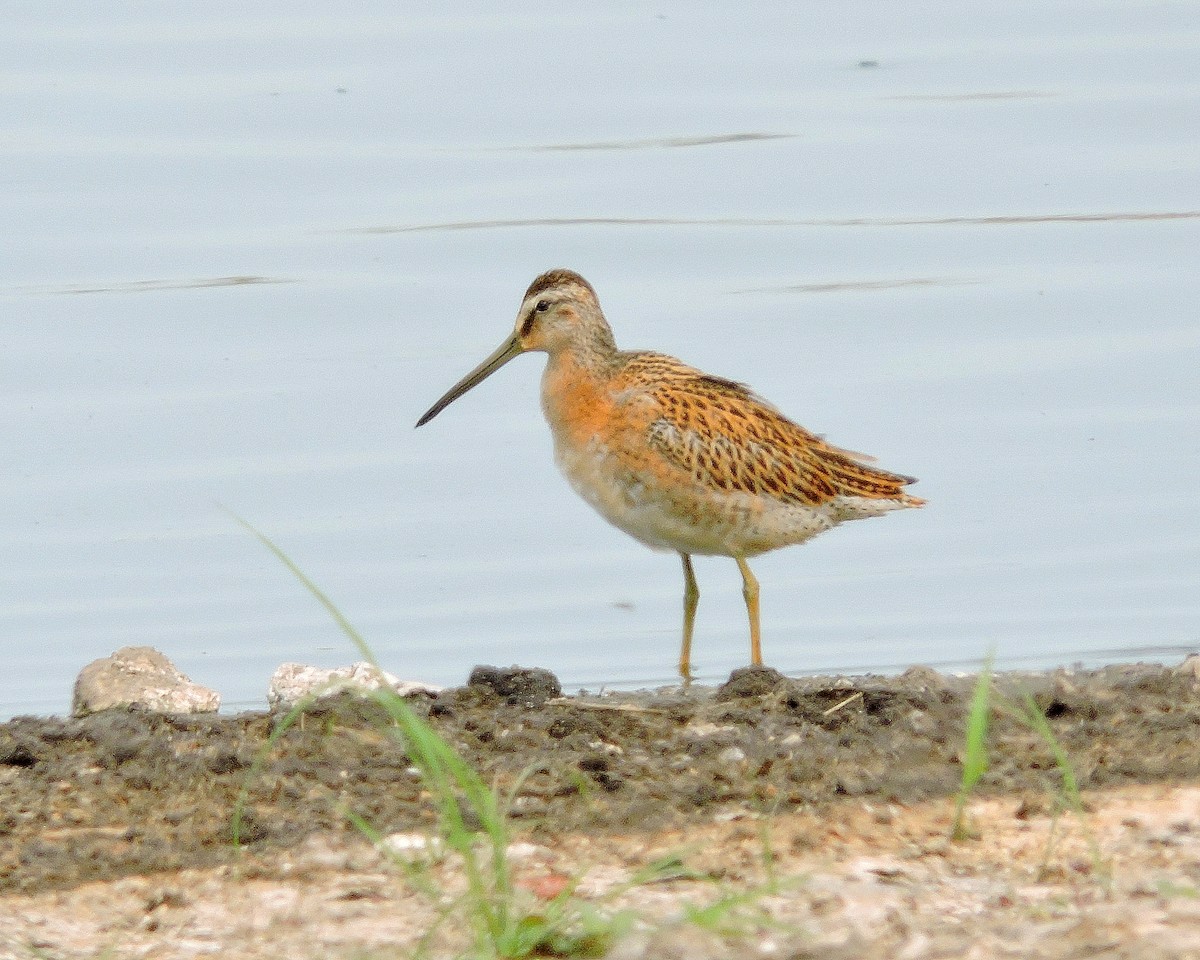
(750, 592)
(691, 597)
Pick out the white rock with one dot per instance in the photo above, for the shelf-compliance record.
(1190, 666)
(139, 677)
(523, 850)
(292, 682)
(701, 729)
(409, 845)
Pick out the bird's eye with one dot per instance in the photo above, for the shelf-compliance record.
(542, 306)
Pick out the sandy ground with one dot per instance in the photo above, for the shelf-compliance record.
(799, 818)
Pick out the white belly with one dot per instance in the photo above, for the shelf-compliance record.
(681, 516)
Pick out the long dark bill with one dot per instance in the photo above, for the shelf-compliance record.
(507, 350)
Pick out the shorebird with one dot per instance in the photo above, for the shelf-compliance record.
(677, 458)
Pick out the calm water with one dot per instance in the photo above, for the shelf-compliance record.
(244, 251)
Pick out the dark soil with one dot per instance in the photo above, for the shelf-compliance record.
(121, 793)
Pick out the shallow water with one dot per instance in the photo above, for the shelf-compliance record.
(245, 252)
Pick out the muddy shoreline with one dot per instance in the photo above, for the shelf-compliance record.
(124, 792)
(119, 797)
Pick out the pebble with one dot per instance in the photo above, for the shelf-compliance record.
(142, 678)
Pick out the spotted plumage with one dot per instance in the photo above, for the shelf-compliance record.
(677, 458)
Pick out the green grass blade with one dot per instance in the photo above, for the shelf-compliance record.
(565, 927)
(1041, 726)
(338, 617)
(975, 758)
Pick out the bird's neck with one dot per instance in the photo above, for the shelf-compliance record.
(575, 398)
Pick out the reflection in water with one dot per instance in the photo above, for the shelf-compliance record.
(656, 143)
(1000, 220)
(840, 285)
(993, 95)
(151, 286)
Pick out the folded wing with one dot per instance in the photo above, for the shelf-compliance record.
(728, 438)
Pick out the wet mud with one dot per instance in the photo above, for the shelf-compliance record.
(118, 794)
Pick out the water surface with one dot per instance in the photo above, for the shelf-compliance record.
(245, 250)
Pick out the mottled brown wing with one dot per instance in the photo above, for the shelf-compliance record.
(728, 438)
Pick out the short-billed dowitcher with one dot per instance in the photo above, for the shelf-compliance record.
(676, 458)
